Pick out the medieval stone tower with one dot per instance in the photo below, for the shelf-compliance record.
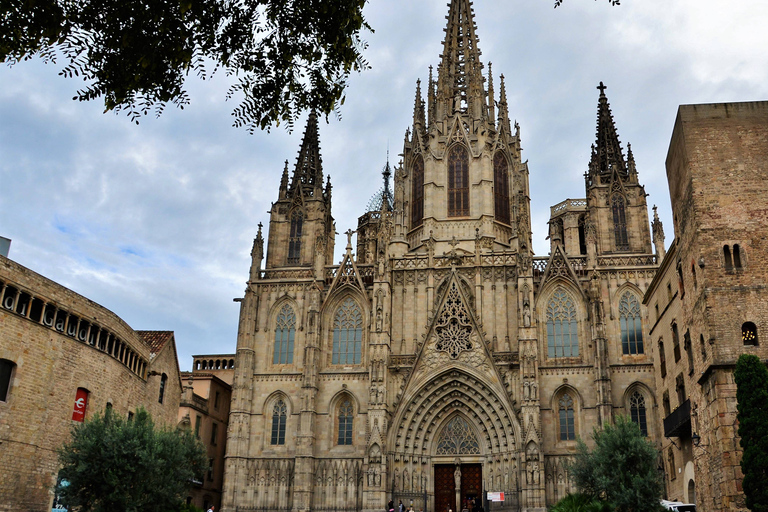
(441, 359)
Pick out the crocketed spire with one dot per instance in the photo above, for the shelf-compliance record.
(309, 164)
(607, 156)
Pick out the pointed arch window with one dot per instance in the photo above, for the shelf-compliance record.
(631, 324)
(279, 417)
(347, 334)
(637, 411)
(345, 423)
(501, 187)
(285, 331)
(457, 438)
(562, 335)
(567, 418)
(417, 192)
(294, 243)
(619, 223)
(458, 181)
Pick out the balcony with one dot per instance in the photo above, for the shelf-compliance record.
(678, 424)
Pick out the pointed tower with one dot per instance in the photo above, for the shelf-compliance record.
(615, 199)
(300, 220)
(462, 177)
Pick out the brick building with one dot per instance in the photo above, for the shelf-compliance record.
(207, 391)
(62, 359)
(709, 302)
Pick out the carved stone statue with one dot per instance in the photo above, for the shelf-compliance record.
(457, 477)
(526, 315)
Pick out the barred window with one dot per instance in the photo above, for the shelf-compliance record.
(417, 195)
(347, 334)
(562, 335)
(501, 187)
(345, 423)
(285, 331)
(567, 422)
(458, 181)
(619, 223)
(637, 411)
(279, 416)
(631, 324)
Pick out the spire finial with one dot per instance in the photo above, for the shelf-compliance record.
(602, 89)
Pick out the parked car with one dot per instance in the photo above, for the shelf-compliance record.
(678, 506)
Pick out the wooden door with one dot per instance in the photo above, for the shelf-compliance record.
(471, 485)
(445, 488)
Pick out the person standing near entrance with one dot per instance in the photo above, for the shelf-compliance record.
(391, 506)
(401, 507)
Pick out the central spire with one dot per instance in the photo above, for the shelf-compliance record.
(607, 156)
(309, 164)
(460, 79)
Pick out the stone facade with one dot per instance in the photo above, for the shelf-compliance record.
(441, 359)
(709, 298)
(58, 347)
(205, 409)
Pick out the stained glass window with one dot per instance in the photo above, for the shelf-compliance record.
(417, 195)
(347, 334)
(637, 411)
(345, 423)
(567, 422)
(562, 335)
(458, 181)
(278, 423)
(294, 243)
(457, 438)
(501, 187)
(619, 223)
(631, 325)
(285, 330)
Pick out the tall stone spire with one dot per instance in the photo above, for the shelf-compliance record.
(607, 156)
(309, 164)
(460, 79)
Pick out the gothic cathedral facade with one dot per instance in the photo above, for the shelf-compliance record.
(441, 359)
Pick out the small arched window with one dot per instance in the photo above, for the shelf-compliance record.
(749, 334)
(736, 256)
(562, 335)
(662, 359)
(619, 223)
(285, 330)
(345, 423)
(163, 382)
(458, 181)
(279, 416)
(347, 334)
(6, 375)
(703, 347)
(417, 192)
(637, 411)
(631, 324)
(294, 243)
(501, 187)
(567, 418)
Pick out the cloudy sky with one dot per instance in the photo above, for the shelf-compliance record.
(156, 221)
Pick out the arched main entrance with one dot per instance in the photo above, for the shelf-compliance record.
(456, 438)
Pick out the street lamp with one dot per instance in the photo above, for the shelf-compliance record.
(696, 438)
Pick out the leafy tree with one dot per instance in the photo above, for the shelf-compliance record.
(752, 394)
(286, 55)
(581, 503)
(115, 465)
(621, 469)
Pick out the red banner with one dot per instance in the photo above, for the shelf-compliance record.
(81, 402)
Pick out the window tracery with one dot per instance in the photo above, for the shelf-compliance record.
(501, 187)
(294, 243)
(279, 416)
(567, 418)
(345, 423)
(637, 411)
(347, 333)
(457, 438)
(453, 327)
(458, 181)
(631, 324)
(285, 331)
(562, 334)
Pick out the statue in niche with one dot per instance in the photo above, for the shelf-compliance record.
(379, 318)
(534, 390)
(526, 315)
(526, 390)
(395, 485)
(457, 477)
